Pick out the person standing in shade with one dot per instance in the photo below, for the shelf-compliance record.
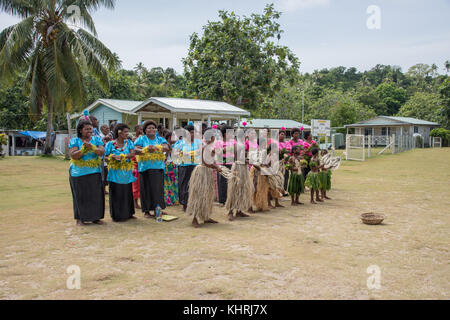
(170, 174)
(119, 154)
(228, 153)
(150, 150)
(285, 148)
(85, 175)
(136, 194)
(190, 158)
(308, 145)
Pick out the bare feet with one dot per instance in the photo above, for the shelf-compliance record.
(230, 216)
(147, 215)
(294, 204)
(210, 221)
(251, 210)
(272, 207)
(313, 202)
(184, 208)
(277, 205)
(319, 200)
(242, 215)
(98, 222)
(80, 223)
(300, 203)
(136, 204)
(328, 198)
(195, 223)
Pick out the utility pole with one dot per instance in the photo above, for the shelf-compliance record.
(303, 112)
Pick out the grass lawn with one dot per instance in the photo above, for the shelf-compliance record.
(308, 252)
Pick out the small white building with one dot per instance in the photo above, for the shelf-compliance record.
(168, 111)
(387, 126)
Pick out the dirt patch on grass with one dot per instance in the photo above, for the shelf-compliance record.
(307, 252)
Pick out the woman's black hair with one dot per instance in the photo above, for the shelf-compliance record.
(137, 127)
(120, 126)
(167, 134)
(295, 130)
(307, 134)
(315, 151)
(224, 129)
(149, 123)
(189, 128)
(81, 125)
(325, 151)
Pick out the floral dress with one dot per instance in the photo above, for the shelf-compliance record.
(171, 183)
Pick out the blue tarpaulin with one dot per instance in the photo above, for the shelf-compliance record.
(37, 135)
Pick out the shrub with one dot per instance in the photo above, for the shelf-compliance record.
(442, 133)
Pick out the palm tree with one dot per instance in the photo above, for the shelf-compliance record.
(55, 53)
(447, 65)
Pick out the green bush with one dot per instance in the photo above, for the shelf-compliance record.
(442, 133)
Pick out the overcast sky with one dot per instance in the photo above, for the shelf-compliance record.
(322, 33)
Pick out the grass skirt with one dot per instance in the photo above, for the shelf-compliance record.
(296, 184)
(276, 183)
(240, 189)
(201, 194)
(313, 181)
(261, 195)
(329, 180)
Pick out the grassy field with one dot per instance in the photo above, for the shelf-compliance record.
(308, 252)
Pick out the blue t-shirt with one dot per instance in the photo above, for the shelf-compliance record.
(120, 176)
(78, 171)
(187, 148)
(144, 141)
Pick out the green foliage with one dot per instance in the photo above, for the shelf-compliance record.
(392, 97)
(442, 133)
(426, 106)
(54, 54)
(340, 108)
(236, 59)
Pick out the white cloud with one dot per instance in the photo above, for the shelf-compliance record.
(294, 5)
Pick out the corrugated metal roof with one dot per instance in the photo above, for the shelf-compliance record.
(192, 105)
(124, 105)
(413, 121)
(274, 123)
(391, 121)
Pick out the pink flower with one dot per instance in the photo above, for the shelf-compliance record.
(244, 124)
(283, 129)
(302, 128)
(215, 126)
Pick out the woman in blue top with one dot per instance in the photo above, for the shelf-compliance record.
(150, 150)
(118, 154)
(85, 175)
(190, 158)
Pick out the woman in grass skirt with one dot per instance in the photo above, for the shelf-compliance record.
(325, 178)
(313, 180)
(201, 187)
(240, 186)
(296, 181)
(85, 175)
(150, 149)
(119, 154)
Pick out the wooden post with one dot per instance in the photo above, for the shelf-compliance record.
(7, 145)
(174, 123)
(209, 121)
(13, 145)
(66, 145)
(139, 118)
(36, 148)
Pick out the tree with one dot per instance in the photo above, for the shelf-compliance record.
(236, 60)
(368, 97)
(426, 106)
(447, 66)
(342, 109)
(392, 96)
(54, 53)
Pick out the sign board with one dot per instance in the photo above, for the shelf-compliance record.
(321, 128)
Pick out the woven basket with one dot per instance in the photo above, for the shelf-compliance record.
(372, 218)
